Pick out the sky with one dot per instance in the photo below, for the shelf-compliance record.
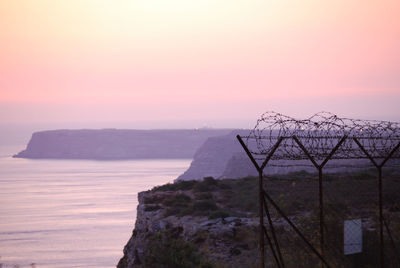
(186, 63)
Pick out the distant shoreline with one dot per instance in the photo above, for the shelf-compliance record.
(115, 144)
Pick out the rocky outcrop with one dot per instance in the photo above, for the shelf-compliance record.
(160, 234)
(238, 166)
(111, 144)
(213, 156)
(223, 157)
(214, 223)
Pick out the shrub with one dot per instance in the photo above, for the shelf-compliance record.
(177, 204)
(173, 211)
(153, 199)
(199, 208)
(218, 214)
(203, 187)
(210, 181)
(204, 196)
(167, 249)
(364, 175)
(180, 185)
(206, 205)
(152, 208)
(177, 200)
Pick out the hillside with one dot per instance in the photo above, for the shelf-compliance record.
(214, 223)
(114, 144)
(212, 157)
(223, 157)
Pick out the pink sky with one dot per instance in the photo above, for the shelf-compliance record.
(207, 61)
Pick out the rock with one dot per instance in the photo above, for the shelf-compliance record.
(211, 158)
(223, 157)
(110, 144)
(215, 240)
(211, 222)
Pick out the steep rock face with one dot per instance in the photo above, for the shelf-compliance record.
(223, 157)
(137, 243)
(214, 223)
(109, 144)
(239, 166)
(230, 241)
(213, 156)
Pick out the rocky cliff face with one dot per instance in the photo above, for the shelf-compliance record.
(213, 156)
(190, 227)
(223, 157)
(110, 144)
(214, 223)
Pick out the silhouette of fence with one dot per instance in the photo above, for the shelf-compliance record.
(347, 227)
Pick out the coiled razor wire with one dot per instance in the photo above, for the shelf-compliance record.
(319, 135)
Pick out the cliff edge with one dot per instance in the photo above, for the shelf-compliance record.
(188, 224)
(215, 223)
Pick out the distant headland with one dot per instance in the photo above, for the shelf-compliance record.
(117, 144)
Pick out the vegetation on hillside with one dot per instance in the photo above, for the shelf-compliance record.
(346, 196)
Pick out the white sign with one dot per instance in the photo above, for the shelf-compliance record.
(352, 237)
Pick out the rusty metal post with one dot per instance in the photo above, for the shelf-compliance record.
(381, 219)
(270, 245)
(279, 262)
(380, 195)
(320, 185)
(260, 201)
(380, 207)
(321, 213)
(262, 204)
(380, 199)
(261, 212)
(397, 253)
(316, 131)
(310, 246)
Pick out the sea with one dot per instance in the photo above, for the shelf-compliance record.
(72, 213)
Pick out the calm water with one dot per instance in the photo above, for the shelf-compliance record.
(64, 213)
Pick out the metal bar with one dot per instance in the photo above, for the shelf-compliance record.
(271, 153)
(273, 232)
(382, 242)
(261, 212)
(365, 152)
(321, 214)
(380, 201)
(333, 151)
(305, 151)
(272, 247)
(296, 230)
(261, 198)
(320, 189)
(396, 252)
(390, 155)
(248, 152)
(321, 196)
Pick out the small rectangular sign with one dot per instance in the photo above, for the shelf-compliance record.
(352, 236)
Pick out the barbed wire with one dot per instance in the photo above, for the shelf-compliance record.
(320, 134)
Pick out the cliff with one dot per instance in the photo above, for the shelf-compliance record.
(187, 224)
(223, 157)
(214, 223)
(111, 144)
(202, 222)
(212, 158)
